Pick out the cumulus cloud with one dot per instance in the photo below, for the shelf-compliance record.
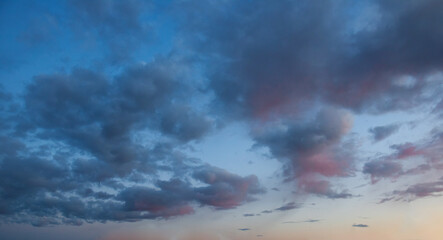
(225, 190)
(98, 115)
(312, 150)
(90, 165)
(46, 192)
(261, 69)
(317, 54)
(91, 147)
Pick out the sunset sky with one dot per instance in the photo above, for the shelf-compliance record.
(221, 119)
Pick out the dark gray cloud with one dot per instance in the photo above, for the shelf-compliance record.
(244, 229)
(312, 220)
(248, 215)
(312, 149)
(381, 132)
(76, 136)
(279, 60)
(97, 115)
(260, 69)
(269, 60)
(46, 192)
(360, 225)
(183, 123)
(382, 169)
(305, 221)
(90, 165)
(225, 190)
(288, 206)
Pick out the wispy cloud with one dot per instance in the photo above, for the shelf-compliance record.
(360, 225)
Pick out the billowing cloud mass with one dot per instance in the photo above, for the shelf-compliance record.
(287, 54)
(312, 150)
(90, 165)
(105, 130)
(275, 60)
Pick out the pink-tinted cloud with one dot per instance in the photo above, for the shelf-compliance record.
(313, 149)
(416, 191)
(392, 166)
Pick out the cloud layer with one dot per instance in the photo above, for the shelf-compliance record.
(74, 153)
(104, 141)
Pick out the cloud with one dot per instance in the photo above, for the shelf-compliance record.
(382, 169)
(248, 215)
(306, 221)
(318, 55)
(92, 145)
(288, 206)
(97, 115)
(40, 30)
(91, 165)
(416, 191)
(350, 61)
(360, 225)
(225, 190)
(59, 195)
(323, 188)
(114, 24)
(391, 166)
(381, 132)
(311, 150)
(244, 229)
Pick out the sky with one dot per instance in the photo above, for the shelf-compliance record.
(221, 120)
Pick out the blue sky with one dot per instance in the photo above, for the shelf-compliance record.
(221, 120)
